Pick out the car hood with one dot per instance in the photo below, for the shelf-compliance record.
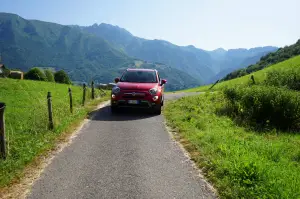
(136, 86)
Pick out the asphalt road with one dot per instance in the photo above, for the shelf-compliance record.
(127, 155)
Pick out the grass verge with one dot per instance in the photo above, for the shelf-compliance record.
(26, 117)
(239, 162)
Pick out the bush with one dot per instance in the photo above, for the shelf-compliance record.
(267, 106)
(231, 94)
(49, 75)
(289, 78)
(35, 74)
(62, 77)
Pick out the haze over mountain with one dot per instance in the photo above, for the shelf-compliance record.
(205, 65)
(99, 52)
(280, 55)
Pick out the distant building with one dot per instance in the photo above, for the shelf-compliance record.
(16, 75)
(5, 72)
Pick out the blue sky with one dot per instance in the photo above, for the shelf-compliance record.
(206, 24)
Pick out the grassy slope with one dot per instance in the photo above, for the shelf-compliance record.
(240, 163)
(26, 120)
(259, 75)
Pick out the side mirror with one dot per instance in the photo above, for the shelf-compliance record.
(163, 81)
(117, 80)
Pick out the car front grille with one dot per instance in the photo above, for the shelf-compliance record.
(134, 95)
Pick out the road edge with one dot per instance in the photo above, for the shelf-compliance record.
(176, 139)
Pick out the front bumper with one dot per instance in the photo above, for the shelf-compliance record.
(143, 99)
(140, 104)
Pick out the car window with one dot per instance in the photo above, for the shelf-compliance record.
(139, 76)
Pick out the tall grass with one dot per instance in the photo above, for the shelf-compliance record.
(26, 118)
(265, 106)
(287, 78)
(239, 162)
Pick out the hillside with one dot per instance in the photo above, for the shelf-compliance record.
(245, 136)
(26, 119)
(201, 64)
(271, 58)
(198, 64)
(85, 57)
(259, 76)
(234, 59)
(27, 43)
(176, 79)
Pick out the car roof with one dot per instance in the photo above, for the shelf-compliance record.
(141, 69)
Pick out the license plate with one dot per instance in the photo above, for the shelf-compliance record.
(133, 102)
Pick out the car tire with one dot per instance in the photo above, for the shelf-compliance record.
(157, 109)
(113, 109)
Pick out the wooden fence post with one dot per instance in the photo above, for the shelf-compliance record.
(214, 84)
(84, 93)
(2, 132)
(71, 100)
(49, 101)
(93, 90)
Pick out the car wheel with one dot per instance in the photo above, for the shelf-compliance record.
(114, 109)
(162, 101)
(157, 109)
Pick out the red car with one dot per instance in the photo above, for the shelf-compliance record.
(140, 88)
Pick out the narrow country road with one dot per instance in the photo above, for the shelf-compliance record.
(127, 155)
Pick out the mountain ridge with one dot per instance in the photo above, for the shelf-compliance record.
(199, 63)
(85, 57)
(103, 48)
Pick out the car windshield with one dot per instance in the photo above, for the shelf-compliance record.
(139, 76)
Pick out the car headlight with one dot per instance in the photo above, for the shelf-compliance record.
(153, 91)
(116, 90)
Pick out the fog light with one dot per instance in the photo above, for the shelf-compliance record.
(113, 96)
(155, 98)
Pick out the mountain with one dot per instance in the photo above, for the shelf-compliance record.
(26, 43)
(195, 62)
(201, 64)
(99, 51)
(233, 59)
(177, 80)
(84, 56)
(266, 60)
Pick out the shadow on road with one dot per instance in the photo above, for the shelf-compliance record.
(104, 114)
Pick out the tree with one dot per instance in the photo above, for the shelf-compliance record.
(5, 72)
(35, 74)
(62, 77)
(49, 75)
